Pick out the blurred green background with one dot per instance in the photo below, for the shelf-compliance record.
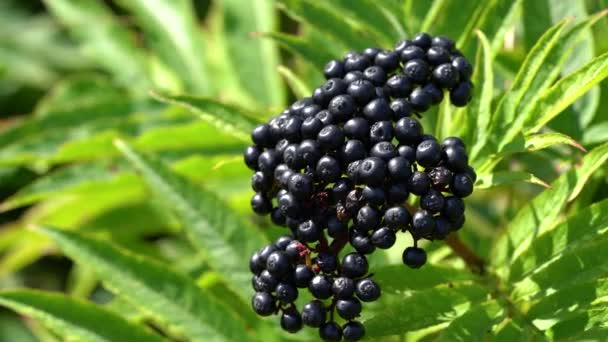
(75, 75)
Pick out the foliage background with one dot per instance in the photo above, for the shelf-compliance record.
(91, 91)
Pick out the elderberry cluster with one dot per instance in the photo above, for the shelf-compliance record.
(339, 167)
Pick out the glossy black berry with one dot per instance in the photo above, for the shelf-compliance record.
(342, 107)
(419, 183)
(291, 158)
(441, 177)
(352, 150)
(455, 158)
(327, 262)
(398, 86)
(255, 264)
(303, 275)
(461, 94)
(261, 181)
(335, 227)
(353, 331)
(320, 286)
(362, 243)
(452, 142)
(417, 70)
(428, 153)
(330, 332)
(411, 53)
(343, 287)
(462, 185)
(328, 169)
(267, 281)
(291, 321)
(278, 263)
(309, 231)
(384, 238)
(423, 223)
(352, 76)
(402, 44)
(341, 188)
(313, 314)
(408, 131)
(283, 241)
(446, 76)
(384, 150)
(268, 161)
(376, 75)
(325, 117)
(357, 128)
(286, 293)
(463, 67)
(442, 228)
(374, 195)
(291, 131)
(371, 52)
(399, 169)
(434, 91)
(432, 201)
(330, 137)
(423, 40)
(334, 68)
(437, 55)
(397, 217)
(414, 257)
(289, 205)
(377, 110)
(407, 152)
(381, 131)
(372, 171)
(261, 136)
(356, 62)
(309, 152)
(397, 193)
(263, 304)
(367, 290)
(348, 308)
(260, 204)
(354, 265)
(362, 91)
(443, 42)
(420, 100)
(387, 60)
(367, 218)
(401, 108)
(251, 155)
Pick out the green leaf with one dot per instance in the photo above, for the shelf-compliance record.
(451, 17)
(297, 85)
(595, 134)
(396, 278)
(478, 113)
(590, 322)
(505, 113)
(74, 319)
(328, 21)
(587, 261)
(172, 30)
(224, 238)
(422, 309)
(585, 225)
(104, 40)
(473, 325)
(540, 213)
(166, 295)
(535, 142)
(318, 56)
(226, 118)
(490, 180)
(566, 91)
(255, 58)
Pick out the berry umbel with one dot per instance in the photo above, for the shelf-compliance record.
(337, 168)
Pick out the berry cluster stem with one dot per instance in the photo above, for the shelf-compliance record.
(475, 263)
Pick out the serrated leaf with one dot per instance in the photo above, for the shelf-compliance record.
(224, 238)
(397, 278)
(104, 40)
(540, 213)
(74, 319)
(474, 324)
(311, 53)
(255, 58)
(172, 30)
(168, 296)
(566, 91)
(478, 113)
(505, 113)
(587, 261)
(583, 226)
(433, 306)
(490, 180)
(330, 22)
(226, 118)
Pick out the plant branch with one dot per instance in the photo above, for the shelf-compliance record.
(475, 263)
